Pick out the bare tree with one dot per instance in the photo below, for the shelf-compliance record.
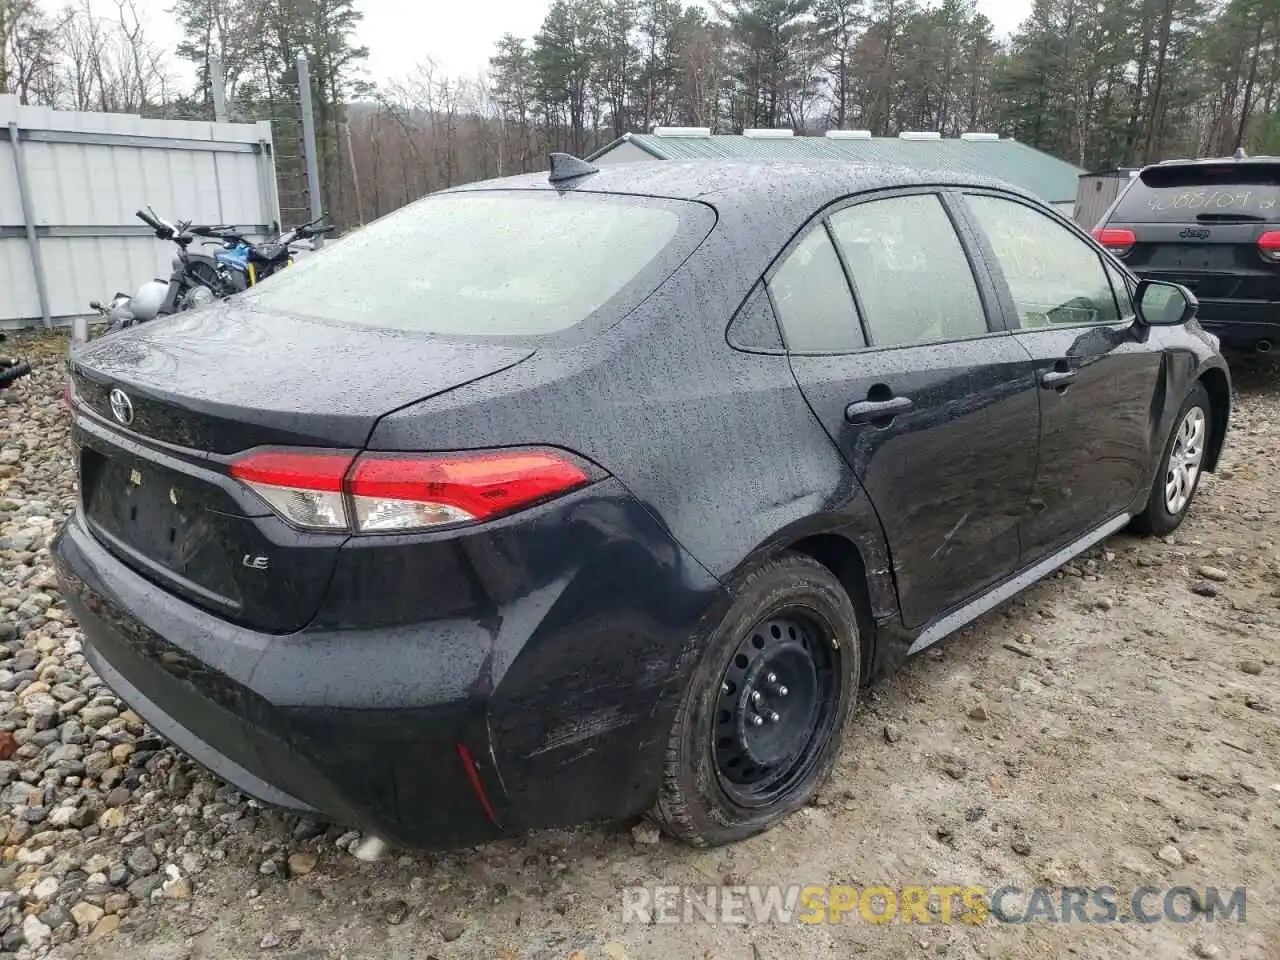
(140, 69)
(84, 62)
(78, 39)
(28, 52)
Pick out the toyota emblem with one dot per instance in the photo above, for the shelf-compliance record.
(121, 406)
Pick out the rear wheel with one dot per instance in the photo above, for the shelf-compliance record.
(762, 720)
(1182, 464)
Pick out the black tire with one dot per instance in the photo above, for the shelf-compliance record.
(1156, 519)
(13, 372)
(696, 801)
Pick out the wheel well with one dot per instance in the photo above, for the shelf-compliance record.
(1215, 384)
(843, 558)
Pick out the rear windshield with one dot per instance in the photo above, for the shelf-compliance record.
(1205, 192)
(500, 263)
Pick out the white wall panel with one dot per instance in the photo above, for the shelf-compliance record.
(86, 175)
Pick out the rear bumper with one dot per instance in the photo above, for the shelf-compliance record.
(563, 696)
(1241, 324)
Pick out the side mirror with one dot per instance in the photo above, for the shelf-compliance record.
(1163, 304)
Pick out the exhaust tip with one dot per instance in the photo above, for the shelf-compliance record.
(1262, 346)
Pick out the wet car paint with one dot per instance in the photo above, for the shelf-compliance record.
(224, 363)
(554, 645)
(557, 694)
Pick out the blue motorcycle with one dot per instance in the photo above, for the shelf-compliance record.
(244, 264)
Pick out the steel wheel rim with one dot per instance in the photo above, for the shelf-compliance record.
(776, 706)
(1183, 469)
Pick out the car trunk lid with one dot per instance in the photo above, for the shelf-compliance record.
(227, 378)
(157, 490)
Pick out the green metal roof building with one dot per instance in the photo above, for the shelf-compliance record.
(1049, 178)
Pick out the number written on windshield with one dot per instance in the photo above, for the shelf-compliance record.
(1210, 200)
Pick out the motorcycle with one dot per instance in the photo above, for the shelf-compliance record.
(11, 369)
(193, 281)
(198, 278)
(246, 264)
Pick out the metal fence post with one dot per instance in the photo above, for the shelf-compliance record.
(309, 145)
(269, 198)
(218, 88)
(29, 217)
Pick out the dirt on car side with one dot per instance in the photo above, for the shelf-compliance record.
(1114, 726)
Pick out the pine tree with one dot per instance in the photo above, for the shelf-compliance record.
(838, 25)
(616, 60)
(563, 58)
(512, 78)
(770, 65)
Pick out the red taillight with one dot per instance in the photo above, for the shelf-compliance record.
(304, 487)
(1116, 240)
(1269, 245)
(322, 472)
(386, 493)
(397, 492)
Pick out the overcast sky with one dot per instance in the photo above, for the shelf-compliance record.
(457, 35)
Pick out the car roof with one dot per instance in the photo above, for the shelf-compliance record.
(1212, 162)
(789, 187)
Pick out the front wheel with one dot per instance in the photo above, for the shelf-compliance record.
(1182, 464)
(763, 717)
(197, 295)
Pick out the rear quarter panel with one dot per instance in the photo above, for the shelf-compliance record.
(718, 443)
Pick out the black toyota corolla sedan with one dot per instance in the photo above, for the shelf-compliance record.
(575, 496)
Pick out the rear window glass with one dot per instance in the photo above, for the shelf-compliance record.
(1184, 193)
(493, 263)
(813, 300)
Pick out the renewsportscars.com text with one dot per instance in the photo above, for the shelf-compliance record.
(939, 904)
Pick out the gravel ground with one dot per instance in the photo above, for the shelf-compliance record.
(1114, 726)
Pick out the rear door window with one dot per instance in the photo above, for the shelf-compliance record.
(812, 299)
(911, 273)
(494, 263)
(1205, 193)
